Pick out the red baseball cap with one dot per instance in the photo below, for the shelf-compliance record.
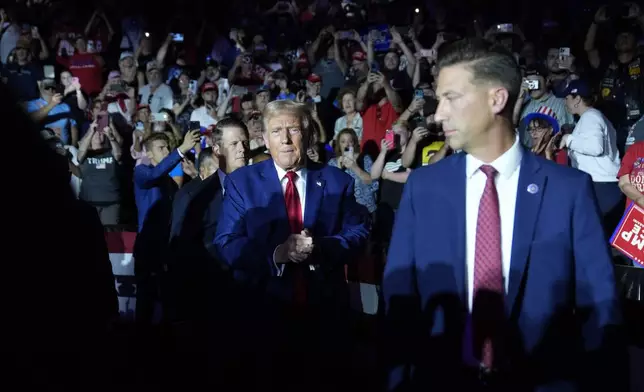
(314, 78)
(359, 56)
(209, 87)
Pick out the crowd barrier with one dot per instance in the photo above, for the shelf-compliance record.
(362, 277)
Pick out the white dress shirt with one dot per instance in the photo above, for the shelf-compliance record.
(300, 185)
(507, 182)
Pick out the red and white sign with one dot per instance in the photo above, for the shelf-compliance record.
(628, 238)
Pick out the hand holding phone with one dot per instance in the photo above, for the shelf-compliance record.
(194, 126)
(390, 139)
(348, 152)
(102, 121)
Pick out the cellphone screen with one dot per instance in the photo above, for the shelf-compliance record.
(389, 136)
(103, 121)
(49, 72)
(194, 125)
(348, 152)
(420, 94)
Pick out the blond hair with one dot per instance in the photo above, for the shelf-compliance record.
(300, 110)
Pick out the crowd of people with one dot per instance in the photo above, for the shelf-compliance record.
(258, 159)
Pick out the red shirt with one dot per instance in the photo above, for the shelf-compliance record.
(561, 157)
(376, 120)
(87, 69)
(633, 164)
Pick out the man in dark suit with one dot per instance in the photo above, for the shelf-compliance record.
(498, 275)
(200, 303)
(287, 229)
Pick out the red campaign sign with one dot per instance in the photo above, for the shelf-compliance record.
(628, 238)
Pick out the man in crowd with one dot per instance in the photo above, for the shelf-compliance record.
(52, 113)
(286, 230)
(474, 294)
(154, 189)
(196, 207)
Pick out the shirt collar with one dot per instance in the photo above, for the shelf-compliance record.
(281, 173)
(506, 164)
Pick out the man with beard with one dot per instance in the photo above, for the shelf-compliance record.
(156, 94)
(213, 75)
(622, 83)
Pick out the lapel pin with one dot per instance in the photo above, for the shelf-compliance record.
(533, 188)
(318, 183)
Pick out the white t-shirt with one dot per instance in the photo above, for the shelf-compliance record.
(201, 115)
(161, 99)
(592, 147)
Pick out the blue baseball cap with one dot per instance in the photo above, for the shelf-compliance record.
(577, 87)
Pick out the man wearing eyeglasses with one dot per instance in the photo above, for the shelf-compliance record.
(50, 112)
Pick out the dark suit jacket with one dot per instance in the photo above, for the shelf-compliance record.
(254, 222)
(192, 270)
(561, 305)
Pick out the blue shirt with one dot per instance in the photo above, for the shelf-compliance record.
(177, 171)
(153, 185)
(59, 117)
(23, 80)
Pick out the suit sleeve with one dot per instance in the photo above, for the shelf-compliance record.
(146, 177)
(232, 243)
(402, 306)
(597, 304)
(350, 241)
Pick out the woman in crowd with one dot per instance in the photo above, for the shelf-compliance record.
(545, 133)
(592, 147)
(348, 158)
(631, 177)
(389, 169)
(183, 102)
(351, 118)
(99, 155)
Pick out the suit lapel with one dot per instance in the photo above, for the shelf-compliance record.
(457, 194)
(274, 195)
(530, 192)
(314, 193)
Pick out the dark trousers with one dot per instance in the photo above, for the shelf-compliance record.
(611, 203)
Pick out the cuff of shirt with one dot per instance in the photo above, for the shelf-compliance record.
(180, 154)
(278, 267)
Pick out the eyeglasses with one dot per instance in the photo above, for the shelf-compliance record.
(538, 129)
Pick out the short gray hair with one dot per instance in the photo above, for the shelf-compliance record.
(300, 110)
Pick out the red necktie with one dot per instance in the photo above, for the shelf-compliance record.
(294, 211)
(487, 309)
